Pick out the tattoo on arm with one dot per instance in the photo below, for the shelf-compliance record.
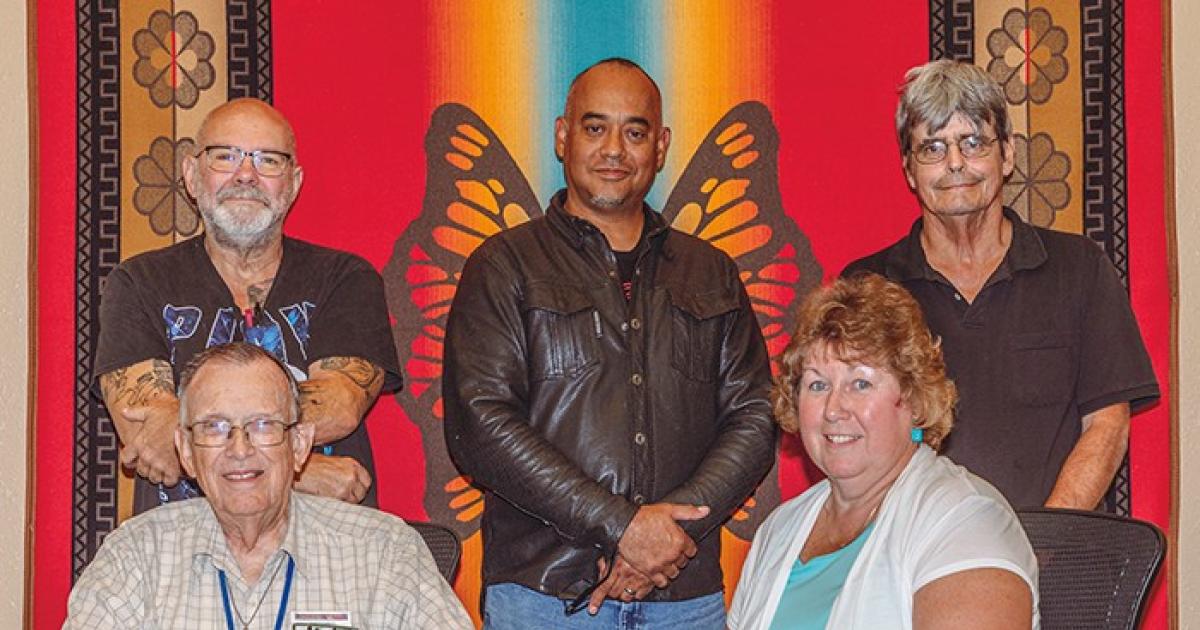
(258, 291)
(159, 380)
(362, 372)
(112, 383)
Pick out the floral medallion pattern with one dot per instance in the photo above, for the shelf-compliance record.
(1038, 187)
(160, 192)
(1027, 55)
(173, 59)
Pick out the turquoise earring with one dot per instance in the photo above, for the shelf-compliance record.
(917, 435)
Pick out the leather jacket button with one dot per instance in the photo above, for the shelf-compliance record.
(639, 499)
(637, 379)
(635, 323)
(639, 438)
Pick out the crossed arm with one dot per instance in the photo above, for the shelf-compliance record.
(141, 401)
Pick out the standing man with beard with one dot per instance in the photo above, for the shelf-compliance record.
(320, 311)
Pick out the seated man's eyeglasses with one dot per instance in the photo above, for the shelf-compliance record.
(934, 150)
(225, 159)
(260, 432)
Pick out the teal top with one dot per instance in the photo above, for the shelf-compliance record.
(812, 587)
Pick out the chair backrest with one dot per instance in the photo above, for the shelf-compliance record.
(444, 546)
(1094, 569)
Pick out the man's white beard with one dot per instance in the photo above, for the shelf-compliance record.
(242, 230)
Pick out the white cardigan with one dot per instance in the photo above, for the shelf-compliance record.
(937, 519)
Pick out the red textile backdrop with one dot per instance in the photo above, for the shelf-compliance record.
(355, 84)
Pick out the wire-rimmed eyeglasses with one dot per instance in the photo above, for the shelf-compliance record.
(934, 150)
(260, 432)
(227, 159)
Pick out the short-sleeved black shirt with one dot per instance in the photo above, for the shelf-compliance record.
(171, 304)
(1049, 339)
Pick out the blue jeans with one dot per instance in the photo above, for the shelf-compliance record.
(514, 607)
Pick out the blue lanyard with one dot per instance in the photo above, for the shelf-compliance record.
(287, 588)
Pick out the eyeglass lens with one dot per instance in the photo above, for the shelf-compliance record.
(220, 432)
(228, 159)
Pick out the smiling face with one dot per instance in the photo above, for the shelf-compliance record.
(854, 421)
(243, 209)
(611, 140)
(958, 186)
(243, 481)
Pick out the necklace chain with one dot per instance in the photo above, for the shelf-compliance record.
(828, 533)
(261, 598)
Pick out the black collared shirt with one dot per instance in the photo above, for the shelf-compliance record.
(1049, 339)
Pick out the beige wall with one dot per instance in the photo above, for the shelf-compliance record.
(14, 308)
(1185, 22)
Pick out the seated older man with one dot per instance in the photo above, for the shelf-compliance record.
(253, 553)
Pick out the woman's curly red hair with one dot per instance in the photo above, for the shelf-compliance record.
(869, 320)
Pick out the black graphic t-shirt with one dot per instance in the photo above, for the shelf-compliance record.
(171, 304)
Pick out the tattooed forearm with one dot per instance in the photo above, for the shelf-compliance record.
(362, 372)
(113, 382)
(132, 388)
(258, 291)
(339, 390)
(158, 381)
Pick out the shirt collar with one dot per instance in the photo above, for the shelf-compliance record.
(1026, 251)
(577, 230)
(213, 548)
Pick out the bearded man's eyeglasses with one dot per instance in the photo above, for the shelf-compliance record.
(934, 150)
(226, 159)
(260, 432)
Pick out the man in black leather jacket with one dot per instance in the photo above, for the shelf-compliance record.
(606, 384)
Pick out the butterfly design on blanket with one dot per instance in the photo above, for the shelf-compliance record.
(728, 195)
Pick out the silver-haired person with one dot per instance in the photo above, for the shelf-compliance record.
(253, 552)
(1035, 324)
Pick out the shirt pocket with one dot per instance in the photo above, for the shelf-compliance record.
(698, 331)
(561, 328)
(1042, 368)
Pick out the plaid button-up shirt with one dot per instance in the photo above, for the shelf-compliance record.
(160, 570)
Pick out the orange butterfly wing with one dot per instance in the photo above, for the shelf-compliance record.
(473, 189)
(729, 196)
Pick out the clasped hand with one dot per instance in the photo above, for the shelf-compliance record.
(151, 451)
(651, 552)
(335, 477)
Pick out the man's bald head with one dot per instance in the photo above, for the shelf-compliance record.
(247, 111)
(612, 63)
(611, 140)
(242, 208)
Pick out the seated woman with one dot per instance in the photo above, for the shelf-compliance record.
(895, 536)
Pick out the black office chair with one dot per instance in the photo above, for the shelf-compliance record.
(1094, 569)
(444, 546)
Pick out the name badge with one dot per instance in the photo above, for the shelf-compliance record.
(321, 620)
